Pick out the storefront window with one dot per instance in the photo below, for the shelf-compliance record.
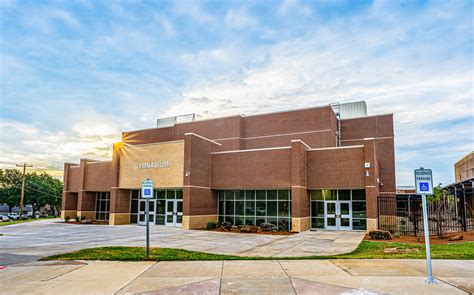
(102, 206)
(254, 207)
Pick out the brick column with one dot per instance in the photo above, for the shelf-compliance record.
(119, 198)
(69, 199)
(85, 200)
(199, 201)
(300, 203)
(371, 182)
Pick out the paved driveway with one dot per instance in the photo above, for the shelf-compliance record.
(28, 241)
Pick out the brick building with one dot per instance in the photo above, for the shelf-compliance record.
(321, 167)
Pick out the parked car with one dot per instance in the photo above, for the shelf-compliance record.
(41, 215)
(13, 216)
(4, 218)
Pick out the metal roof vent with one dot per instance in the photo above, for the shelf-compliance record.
(349, 110)
(171, 121)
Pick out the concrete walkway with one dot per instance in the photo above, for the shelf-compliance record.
(238, 277)
(26, 242)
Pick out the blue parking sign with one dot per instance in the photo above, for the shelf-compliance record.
(424, 186)
(147, 192)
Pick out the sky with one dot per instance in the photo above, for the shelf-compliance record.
(75, 74)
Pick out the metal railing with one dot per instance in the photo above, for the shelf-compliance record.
(403, 215)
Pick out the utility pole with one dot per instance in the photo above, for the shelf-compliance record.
(23, 187)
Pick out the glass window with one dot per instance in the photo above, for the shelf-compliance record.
(283, 195)
(229, 207)
(229, 195)
(271, 195)
(271, 208)
(250, 208)
(272, 220)
(160, 220)
(358, 194)
(317, 195)
(261, 208)
(133, 218)
(239, 208)
(359, 224)
(330, 195)
(261, 195)
(160, 194)
(170, 194)
(221, 207)
(358, 210)
(134, 206)
(283, 209)
(344, 195)
(239, 220)
(239, 195)
(317, 209)
(135, 194)
(250, 195)
(102, 206)
(160, 206)
(179, 194)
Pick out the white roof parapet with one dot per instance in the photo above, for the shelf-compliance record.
(337, 148)
(253, 150)
(202, 137)
(299, 140)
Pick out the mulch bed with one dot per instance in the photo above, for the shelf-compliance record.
(275, 233)
(467, 237)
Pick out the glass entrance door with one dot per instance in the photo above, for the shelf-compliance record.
(142, 212)
(338, 215)
(174, 212)
(330, 214)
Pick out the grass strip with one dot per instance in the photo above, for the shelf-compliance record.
(365, 250)
(22, 221)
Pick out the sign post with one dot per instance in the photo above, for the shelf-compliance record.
(424, 186)
(147, 193)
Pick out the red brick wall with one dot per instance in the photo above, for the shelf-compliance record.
(239, 132)
(74, 179)
(336, 168)
(381, 128)
(252, 169)
(99, 176)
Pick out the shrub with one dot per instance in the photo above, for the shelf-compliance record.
(82, 218)
(211, 225)
(227, 226)
(268, 227)
(67, 218)
(380, 235)
(78, 218)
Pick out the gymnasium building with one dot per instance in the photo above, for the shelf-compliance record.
(319, 167)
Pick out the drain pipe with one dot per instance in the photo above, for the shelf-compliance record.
(339, 137)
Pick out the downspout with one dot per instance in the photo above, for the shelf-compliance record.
(339, 137)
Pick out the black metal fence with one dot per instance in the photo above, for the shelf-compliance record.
(403, 215)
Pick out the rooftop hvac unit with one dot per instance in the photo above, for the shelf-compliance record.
(171, 121)
(350, 110)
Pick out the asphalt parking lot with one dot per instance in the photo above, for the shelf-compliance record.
(26, 242)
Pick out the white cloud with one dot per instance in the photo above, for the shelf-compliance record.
(240, 19)
(289, 6)
(193, 10)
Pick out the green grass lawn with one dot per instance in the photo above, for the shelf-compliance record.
(366, 249)
(21, 221)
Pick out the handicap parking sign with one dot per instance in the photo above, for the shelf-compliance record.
(147, 189)
(424, 186)
(424, 181)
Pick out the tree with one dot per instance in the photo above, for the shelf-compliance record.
(40, 190)
(10, 187)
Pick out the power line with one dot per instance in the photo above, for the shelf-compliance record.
(54, 196)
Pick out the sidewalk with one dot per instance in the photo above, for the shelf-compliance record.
(244, 277)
